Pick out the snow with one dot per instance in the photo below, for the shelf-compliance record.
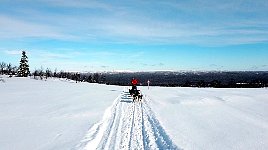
(127, 125)
(49, 114)
(61, 114)
(200, 118)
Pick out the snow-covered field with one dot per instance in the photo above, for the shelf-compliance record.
(209, 119)
(63, 115)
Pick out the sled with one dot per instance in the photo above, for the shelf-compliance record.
(136, 94)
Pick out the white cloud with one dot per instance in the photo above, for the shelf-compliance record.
(92, 4)
(16, 28)
(164, 32)
(59, 54)
(13, 52)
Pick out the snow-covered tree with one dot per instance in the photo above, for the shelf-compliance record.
(24, 67)
(14, 70)
(48, 73)
(2, 67)
(9, 68)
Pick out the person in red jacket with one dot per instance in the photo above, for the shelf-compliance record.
(134, 83)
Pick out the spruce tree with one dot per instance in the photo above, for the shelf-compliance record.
(24, 67)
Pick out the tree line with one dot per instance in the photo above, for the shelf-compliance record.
(226, 79)
(76, 76)
(24, 71)
(21, 71)
(8, 69)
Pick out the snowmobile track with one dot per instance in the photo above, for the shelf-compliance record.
(127, 125)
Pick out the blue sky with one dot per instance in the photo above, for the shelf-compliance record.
(138, 35)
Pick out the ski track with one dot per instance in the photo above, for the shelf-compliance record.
(127, 125)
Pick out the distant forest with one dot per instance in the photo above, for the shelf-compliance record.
(223, 79)
(248, 79)
(238, 79)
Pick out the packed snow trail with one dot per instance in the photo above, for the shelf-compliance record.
(127, 125)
